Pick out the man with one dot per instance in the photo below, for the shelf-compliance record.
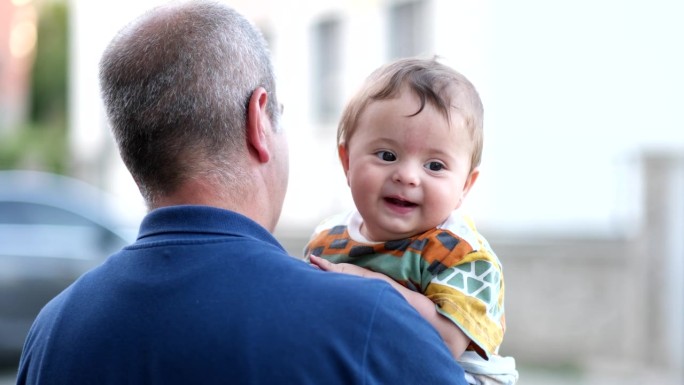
(206, 294)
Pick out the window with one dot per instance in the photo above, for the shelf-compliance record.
(407, 29)
(327, 70)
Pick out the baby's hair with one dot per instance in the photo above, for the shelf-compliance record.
(433, 82)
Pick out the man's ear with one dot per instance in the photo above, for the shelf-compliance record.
(258, 125)
(344, 159)
(469, 182)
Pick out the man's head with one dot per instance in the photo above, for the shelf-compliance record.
(177, 84)
(410, 143)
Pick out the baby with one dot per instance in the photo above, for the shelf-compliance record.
(410, 143)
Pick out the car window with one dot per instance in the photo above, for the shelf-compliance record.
(24, 213)
(42, 231)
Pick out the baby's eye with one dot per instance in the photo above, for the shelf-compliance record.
(434, 166)
(386, 156)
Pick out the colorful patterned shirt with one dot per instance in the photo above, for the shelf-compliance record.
(452, 264)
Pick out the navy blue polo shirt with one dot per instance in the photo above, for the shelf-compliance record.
(207, 296)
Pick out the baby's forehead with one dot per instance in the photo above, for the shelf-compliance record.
(455, 115)
(428, 115)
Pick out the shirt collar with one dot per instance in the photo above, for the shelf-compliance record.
(200, 220)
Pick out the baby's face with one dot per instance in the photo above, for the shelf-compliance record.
(406, 173)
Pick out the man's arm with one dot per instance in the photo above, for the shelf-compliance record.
(453, 336)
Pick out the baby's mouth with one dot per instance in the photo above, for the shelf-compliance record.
(400, 202)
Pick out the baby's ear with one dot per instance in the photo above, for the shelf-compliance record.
(472, 178)
(469, 182)
(344, 159)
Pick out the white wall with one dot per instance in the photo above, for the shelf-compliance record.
(578, 88)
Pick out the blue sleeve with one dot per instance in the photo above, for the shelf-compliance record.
(398, 334)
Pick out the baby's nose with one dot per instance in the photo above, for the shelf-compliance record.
(406, 174)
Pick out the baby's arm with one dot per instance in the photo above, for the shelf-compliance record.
(452, 335)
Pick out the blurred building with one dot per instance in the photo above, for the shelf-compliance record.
(17, 42)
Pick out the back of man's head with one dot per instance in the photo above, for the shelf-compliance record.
(176, 83)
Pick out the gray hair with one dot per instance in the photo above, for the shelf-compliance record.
(176, 84)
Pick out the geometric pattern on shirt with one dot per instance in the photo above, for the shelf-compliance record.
(465, 283)
(479, 279)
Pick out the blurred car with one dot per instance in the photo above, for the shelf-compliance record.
(52, 230)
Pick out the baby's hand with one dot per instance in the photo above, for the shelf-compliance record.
(344, 268)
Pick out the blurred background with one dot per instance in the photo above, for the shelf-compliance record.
(582, 186)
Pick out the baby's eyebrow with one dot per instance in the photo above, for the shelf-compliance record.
(384, 140)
